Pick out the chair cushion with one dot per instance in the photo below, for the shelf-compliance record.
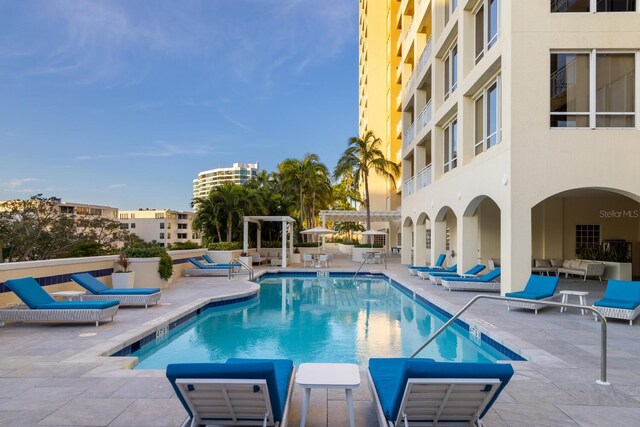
(566, 263)
(623, 290)
(576, 264)
(556, 262)
(131, 291)
(542, 263)
(89, 282)
(78, 305)
(541, 286)
(238, 369)
(29, 291)
(389, 378)
(524, 294)
(617, 303)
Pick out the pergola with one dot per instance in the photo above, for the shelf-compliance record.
(259, 220)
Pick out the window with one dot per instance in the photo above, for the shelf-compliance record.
(182, 236)
(595, 89)
(66, 209)
(379, 240)
(162, 226)
(133, 225)
(451, 146)
(590, 5)
(160, 216)
(447, 242)
(95, 211)
(451, 72)
(449, 8)
(399, 239)
(428, 238)
(587, 235)
(162, 235)
(486, 27)
(487, 118)
(182, 226)
(124, 226)
(124, 216)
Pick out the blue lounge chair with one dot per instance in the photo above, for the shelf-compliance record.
(428, 393)
(207, 258)
(413, 269)
(486, 283)
(437, 276)
(41, 307)
(127, 297)
(539, 288)
(202, 266)
(621, 300)
(238, 392)
(424, 273)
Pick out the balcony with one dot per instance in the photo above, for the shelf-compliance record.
(409, 188)
(410, 30)
(425, 55)
(425, 115)
(408, 136)
(424, 177)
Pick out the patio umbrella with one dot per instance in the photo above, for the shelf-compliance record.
(319, 231)
(373, 233)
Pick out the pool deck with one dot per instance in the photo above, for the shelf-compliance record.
(56, 375)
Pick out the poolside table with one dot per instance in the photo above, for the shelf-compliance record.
(328, 375)
(69, 295)
(581, 298)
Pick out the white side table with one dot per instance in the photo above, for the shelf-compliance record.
(328, 375)
(581, 298)
(69, 295)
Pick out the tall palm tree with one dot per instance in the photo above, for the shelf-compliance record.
(308, 178)
(362, 156)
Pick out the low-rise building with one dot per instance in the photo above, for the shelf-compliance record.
(164, 226)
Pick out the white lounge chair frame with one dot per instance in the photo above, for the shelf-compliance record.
(126, 299)
(529, 305)
(617, 313)
(440, 400)
(457, 285)
(231, 402)
(22, 313)
(202, 272)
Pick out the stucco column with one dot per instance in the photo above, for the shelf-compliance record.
(259, 237)
(406, 244)
(467, 242)
(284, 244)
(515, 248)
(438, 240)
(291, 240)
(420, 250)
(245, 237)
(324, 222)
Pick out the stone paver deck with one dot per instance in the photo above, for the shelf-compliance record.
(56, 375)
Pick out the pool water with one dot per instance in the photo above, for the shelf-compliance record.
(312, 319)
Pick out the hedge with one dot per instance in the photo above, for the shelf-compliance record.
(224, 246)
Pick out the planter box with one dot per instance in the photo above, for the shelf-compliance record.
(123, 280)
(146, 270)
(296, 258)
(224, 257)
(246, 259)
(617, 270)
(345, 249)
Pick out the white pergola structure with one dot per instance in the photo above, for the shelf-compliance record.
(359, 216)
(259, 220)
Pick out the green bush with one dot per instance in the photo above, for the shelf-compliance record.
(165, 269)
(307, 244)
(178, 246)
(270, 244)
(225, 246)
(363, 245)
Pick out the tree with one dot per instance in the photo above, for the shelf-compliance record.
(308, 178)
(363, 156)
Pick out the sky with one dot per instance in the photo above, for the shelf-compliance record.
(122, 103)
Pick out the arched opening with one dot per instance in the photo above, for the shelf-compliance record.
(481, 233)
(422, 235)
(444, 235)
(589, 224)
(407, 241)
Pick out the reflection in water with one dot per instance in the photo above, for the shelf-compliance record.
(315, 320)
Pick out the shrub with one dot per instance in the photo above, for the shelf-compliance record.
(165, 269)
(177, 246)
(307, 244)
(224, 246)
(364, 245)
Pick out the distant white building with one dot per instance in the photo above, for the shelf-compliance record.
(165, 226)
(239, 173)
(71, 208)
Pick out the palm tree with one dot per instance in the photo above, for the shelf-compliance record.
(362, 156)
(308, 178)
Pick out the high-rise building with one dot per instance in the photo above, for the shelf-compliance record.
(239, 173)
(520, 128)
(165, 226)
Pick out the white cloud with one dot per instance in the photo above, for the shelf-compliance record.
(24, 185)
(117, 186)
(158, 149)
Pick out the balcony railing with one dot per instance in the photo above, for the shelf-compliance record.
(409, 187)
(425, 115)
(410, 30)
(424, 177)
(408, 136)
(425, 55)
(409, 84)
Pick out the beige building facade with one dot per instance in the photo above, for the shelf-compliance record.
(521, 135)
(165, 226)
(239, 174)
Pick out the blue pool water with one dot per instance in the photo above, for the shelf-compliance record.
(310, 319)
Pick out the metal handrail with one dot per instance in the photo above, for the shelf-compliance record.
(603, 327)
(242, 265)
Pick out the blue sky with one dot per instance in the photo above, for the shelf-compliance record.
(121, 103)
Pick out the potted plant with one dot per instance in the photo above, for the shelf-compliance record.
(123, 278)
(245, 258)
(296, 258)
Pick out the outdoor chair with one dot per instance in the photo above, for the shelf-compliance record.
(424, 273)
(307, 259)
(238, 392)
(423, 392)
(437, 276)
(98, 291)
(413, 269)
(486, 283)
(538, 288)
(41, 307)
(621, 300)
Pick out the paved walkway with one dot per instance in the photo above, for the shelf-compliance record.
(56, 376)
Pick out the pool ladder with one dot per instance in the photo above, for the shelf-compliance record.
(242, 266)
(603, 327)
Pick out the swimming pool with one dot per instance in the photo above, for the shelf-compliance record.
(319, 319)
